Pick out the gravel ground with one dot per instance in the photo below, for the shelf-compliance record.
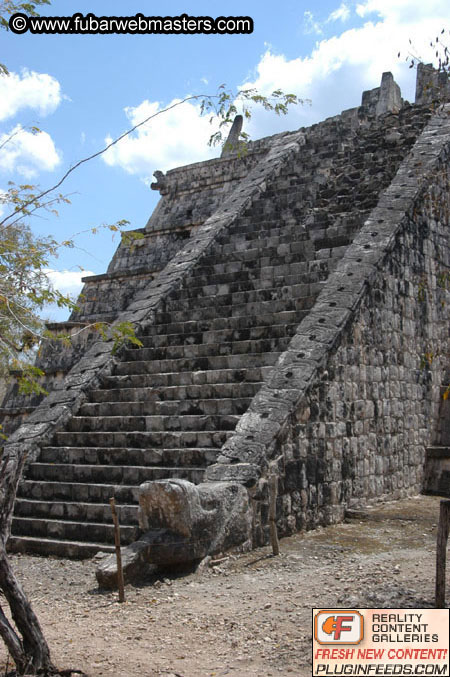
(248, 615)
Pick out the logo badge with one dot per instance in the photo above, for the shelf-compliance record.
(338, 626)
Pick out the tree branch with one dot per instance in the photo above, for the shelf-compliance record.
(12, 641)
(103, 150)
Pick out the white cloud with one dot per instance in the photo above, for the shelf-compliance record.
(310, 24)
(342, 13)
(67, 281)
(337, 71)
(177, 137)
(333, 76)
(404, 11)
(38, 91)
(27, 153)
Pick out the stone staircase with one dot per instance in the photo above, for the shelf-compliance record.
(165, 412)
(169, 406)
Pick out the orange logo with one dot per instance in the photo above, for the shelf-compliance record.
(338, 626)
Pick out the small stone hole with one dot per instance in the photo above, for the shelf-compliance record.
(300, 354)
(374, 234)
(322, 320)
(332, 304)
(289, 374)
(312, 337)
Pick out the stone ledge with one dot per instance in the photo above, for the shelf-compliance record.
(15, 411)
(438, 452)
(119, 274)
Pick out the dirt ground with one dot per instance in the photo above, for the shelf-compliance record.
(248, 615)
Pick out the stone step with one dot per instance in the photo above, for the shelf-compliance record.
(257, 256)
(166, 326)
(221, 336)
(331, 255)
(126, 422)
(247, 227)
(223, 406)
(92, 532)
(269, 277)
(56, 547)
(207, 279)
(248, 289)
(337, 244)
(267, 223)
(209, 363)
(438, 452)
(255, 253)
(252, 310)
(254, 269)
(184, 457)
(271, 237)
(78, 492)
(177, 439)
(242, 323)
(205, 392)
(187, 378)
(203, 297)
(193, 350)
(76, 512)
(109, 474)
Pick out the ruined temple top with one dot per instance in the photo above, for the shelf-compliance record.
(232, 143)
(386, 98)
(432, 86)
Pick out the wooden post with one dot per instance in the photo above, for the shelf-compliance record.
(441, 552)
(112, 503)
(273, 491)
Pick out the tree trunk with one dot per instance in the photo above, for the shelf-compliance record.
(13, 644)
(35, 654)
(30, 650)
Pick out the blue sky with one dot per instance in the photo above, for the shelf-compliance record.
(81, 90)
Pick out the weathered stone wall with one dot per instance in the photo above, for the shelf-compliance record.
(363, 399)
(364, 427)
(55, 359)
(192, 193)
(189, 195)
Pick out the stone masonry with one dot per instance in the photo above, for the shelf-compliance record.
(293, 307)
